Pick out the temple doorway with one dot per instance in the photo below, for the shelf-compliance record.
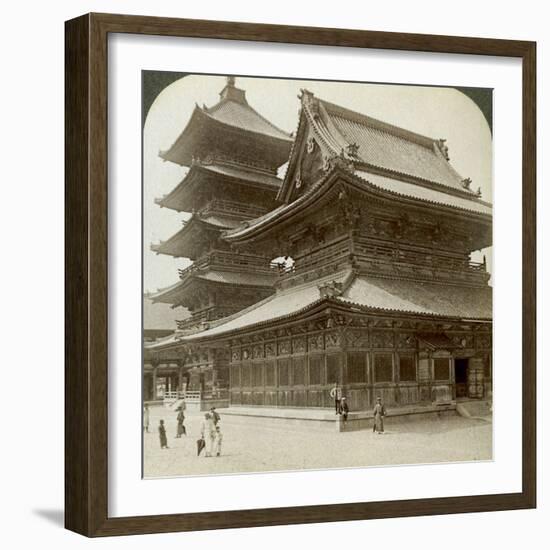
(461, 377)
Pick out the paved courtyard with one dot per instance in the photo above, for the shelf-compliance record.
(258, 445)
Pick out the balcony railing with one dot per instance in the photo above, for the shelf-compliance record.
(234, 208)
(229, 261)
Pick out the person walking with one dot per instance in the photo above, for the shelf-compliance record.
(344, 409)
(162, 435)
(219, 438)
(215, 415)
(146, 417)
(336, 394)
(208, 433)
(181, 428)
(379, 414)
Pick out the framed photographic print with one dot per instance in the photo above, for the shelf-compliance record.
(300, 275)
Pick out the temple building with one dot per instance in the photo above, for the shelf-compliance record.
(383, 297)
(233, 155)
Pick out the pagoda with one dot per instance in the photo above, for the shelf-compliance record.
(382, 297)
(233, 155)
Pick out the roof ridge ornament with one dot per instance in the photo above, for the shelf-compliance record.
(330, 289)
(339, 160)
(442, 146)
(231, 93)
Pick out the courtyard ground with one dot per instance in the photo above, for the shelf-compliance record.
(253, 444)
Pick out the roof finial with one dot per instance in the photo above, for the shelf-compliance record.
(231, 93)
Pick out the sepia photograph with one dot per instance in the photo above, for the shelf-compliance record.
(317, 274)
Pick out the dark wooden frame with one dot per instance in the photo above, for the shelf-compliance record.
(86, 274)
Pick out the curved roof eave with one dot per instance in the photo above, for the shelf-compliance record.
(204, 121)
(315, 193)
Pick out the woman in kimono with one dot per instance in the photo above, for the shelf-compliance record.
(162, 435)
(208, 433)
(379, 414)
(181, 427)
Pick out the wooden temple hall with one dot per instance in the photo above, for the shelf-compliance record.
(380, 295)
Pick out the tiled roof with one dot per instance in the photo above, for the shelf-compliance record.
(406, 189)
(242, 173)
(158, 316)
(368, 293)
(185, 240)
(245, 117)
(280, 305)
(392, 148)
(184, 197)
(421, 297)
(170, 294)
(236, 278)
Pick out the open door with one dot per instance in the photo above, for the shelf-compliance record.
(461, 378)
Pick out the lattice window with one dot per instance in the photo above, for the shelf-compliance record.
(283, 366)
(235, 376)
(407, 368)
(334, 363)
(316, 368)
(383, 367)
(299, 371)
(270, 374)
(257, 375)
(357, 367)
(245, 376)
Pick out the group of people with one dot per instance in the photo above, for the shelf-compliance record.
(341, 406)
(210, 433)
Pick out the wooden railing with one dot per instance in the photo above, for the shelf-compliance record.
(228, 260)
(235, 208)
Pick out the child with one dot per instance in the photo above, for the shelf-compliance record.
(162, 435)
(219, 438)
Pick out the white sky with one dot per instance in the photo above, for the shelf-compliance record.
(435, 112)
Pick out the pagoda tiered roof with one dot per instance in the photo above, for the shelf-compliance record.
(184, 291)
(230, 130)
(190, 193)
(196, 234)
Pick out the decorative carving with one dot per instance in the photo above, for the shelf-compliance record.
(310, 147)
(483, 341)
(270, 349)
(258, 351)
(357, 338)
(382, 339)
(330, 290)
(283, 347)
(338, 161)
(466, 182)
(401, 226)
(298, 345)
(352, 150)
(405, 340)
(332, 339)
(315, 342)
